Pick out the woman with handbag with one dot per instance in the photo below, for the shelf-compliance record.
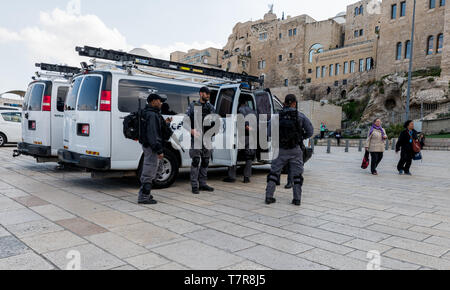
(409, 145)
(376, 144)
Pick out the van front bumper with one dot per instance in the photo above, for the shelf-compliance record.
(34, 150)
(84, 161)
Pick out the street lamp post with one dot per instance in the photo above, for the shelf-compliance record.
(408, 95)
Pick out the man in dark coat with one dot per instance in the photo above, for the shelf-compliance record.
(405, 144)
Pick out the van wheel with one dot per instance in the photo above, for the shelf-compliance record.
(168, 170)
(2, 140)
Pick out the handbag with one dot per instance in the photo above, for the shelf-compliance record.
(366, 160)
(417, 156)
(415, 144)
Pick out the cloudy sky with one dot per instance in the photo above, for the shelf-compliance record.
(49, 30)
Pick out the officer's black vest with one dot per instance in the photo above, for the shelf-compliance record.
(290, 131)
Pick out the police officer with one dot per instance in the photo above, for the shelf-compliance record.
(294, 127)
(249, 153)
(155, 132)
(200, 156)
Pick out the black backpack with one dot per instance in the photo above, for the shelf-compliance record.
(290, 136)
(131, 126)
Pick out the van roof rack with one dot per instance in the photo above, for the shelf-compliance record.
(58, 68)
(183, 69)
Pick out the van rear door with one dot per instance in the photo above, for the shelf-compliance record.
(57, 118)
(36, 114)
(265, 106)
(226, 108)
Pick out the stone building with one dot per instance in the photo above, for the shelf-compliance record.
(209, 57)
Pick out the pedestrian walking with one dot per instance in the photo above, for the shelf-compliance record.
(323, 130)
(405, 144)
(200, 156)
(156, 131)
(338, 136)
(294, 128)
(375, 144)
(248, 153)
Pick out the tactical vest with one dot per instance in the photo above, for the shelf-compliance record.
(290, 131)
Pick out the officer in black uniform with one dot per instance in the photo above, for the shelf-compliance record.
(200, 156)
(294, 127)
(155, 132)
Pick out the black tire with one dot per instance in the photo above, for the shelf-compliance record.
(172, 169)
(3, 140)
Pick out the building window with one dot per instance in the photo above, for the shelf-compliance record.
(403, 9)
(290, 32)
(356, 33)
(361, 10)
(291, 55)
(331, 70)
(315, 49)
(398, 55)
(338, 68)
(308, 80)
(408, 49)
(394, 11)
(430, 45)
(280, 35)
(442, 3)
(280, 58)
(369, 61)
(324, 71)
(317, 72)
(352, 66)
(286, 83)
(345, 68)
(440, 43)
(356, 11)
(262, 64)
(263, 36)
(432, 4)
(361, 32)
(361, 65)
(295, 31)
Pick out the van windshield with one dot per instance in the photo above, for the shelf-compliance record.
(71, 99)
(178, 97)
(89, 94)
(35, 97)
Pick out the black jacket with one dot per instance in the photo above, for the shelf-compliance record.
(207, 109)
(404, 141)
(156, 130)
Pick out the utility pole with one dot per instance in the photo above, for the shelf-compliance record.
(408, 95)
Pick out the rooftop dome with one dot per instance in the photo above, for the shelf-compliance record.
(141, 52)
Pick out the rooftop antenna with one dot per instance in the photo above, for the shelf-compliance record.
(271, 8)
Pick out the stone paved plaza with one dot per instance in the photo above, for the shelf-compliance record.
(45, 214)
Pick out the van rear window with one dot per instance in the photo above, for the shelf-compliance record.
(35, 98)
(89, 94)
(178, 97)
(61, 98)
(71, 99)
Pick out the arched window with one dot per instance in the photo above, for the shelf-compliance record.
(407, 49)
(315, 49)
(440, 43)
(430, 45)
(398, 55)
(356, 11)
(361, 10)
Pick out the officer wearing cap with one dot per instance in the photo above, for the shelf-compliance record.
(155, 133)
(201, 156)
(294, 128)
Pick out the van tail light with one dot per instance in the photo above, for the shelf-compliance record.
(83, 130)
(47, 103)
(105, 101)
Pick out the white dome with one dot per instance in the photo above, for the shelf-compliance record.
(141, 52)
(340, 14)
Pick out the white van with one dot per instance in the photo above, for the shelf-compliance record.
(10, 126)
(98, 102)
(43, 119)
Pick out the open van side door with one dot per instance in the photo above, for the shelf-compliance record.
(226, 107)
(265, 106)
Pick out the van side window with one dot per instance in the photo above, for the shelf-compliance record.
(225, 102)
(263, 104)
(130, 91)
(35, 100)
(248, 101)
(277, 106)
(61, 98)
(26, 99)
(71, 99)
(12, 117)
(89, 94)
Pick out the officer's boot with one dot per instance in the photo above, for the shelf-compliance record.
(144, 195)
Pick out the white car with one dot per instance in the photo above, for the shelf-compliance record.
(10, 126)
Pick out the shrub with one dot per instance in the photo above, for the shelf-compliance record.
(393, 131)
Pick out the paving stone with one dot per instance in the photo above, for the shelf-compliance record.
(220, 240)
(246, 266)
(147, 261)
(197, 256)
(268, 229)
(151, 215)
(13, 193)
(275, 213)
(415, 246)
(53, 241)
(355, 232)
(443, 242)
(125, 268)
(52, 212)
(145, 234)
(92, 258)
(277, 260)
(123, 206)
(27, 261)
(386, 263)
(3, 232)
(34, 228)
(232, 229)
(443, 227)
(112, 219)
(169, 267)
(281, 244)
(374, 213)
(345, 221)
(419, 259)
(81, 227)
(267, 220)
(178, 226)
(391, 223)
(430, 231)
(319, 233)
(31, 201)
(367, 246)
(18, 217)
(117, 245)
(193, 217)
(317, 243)
(333, 260)
(10, 246)
(399, 233)
(7, 204)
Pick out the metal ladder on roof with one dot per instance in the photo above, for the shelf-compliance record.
(54, 71)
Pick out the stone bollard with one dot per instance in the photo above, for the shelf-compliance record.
(394, 143)
(360, 145)
(387, 144)
(329, 146)
(347, 146)
(312, 144)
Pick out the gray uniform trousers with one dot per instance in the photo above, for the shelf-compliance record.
(199, 168)
(293, 157)
(151, 165)
(247, 170)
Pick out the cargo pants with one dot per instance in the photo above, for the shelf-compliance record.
(150, 167)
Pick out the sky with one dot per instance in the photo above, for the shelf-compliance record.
(49, 30)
